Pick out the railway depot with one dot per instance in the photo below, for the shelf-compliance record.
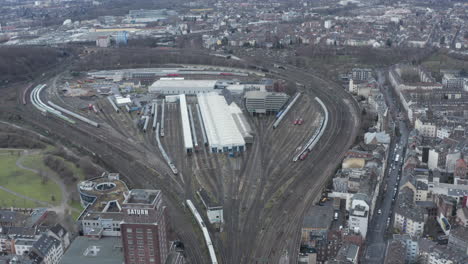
(197, 139)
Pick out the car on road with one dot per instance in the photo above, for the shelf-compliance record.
(300, 121)
(379, 211)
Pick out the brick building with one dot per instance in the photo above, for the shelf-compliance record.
(144, 228)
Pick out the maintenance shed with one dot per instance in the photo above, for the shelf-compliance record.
(221, 130)
(188, 143)
(177, 86)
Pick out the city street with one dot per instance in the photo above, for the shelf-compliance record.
(380, 224)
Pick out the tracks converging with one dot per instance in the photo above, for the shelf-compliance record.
(264, 193)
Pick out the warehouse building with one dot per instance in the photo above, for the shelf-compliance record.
(264, 102)
(188, 143)
(176, 86)
(221, 130)
(241, 123)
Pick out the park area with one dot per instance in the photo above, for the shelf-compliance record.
(26, 181)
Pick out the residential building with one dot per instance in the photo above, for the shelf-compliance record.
(426, 128)
(361, 74)
(409, 218)
(359, 215)
(48, 249)
(393, 254)
(452, 81)
(458, 239)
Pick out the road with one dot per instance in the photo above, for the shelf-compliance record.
(264, 194)
(381, 224)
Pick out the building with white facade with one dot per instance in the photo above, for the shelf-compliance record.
(23, 246)
(452, 81)
(261, 102)
(409, 218)
(187, 131)
(425, 128)
(361, 74)
(451, 160)
(177, 86)
(47, 248)
(221, 130)
(359, 215)
(443, 132)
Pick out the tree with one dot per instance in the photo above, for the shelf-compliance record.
(442, 40)
(463, 72)
(224, 41)
(52, 198)
(388, 42)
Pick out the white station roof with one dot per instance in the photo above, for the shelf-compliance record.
(221, 130)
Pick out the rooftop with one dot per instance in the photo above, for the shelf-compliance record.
(407, 208)
(182, 84)
(45, 243)
(105, 189)
(220, 127)
(318, 217)
(143, 197)
(83, 250)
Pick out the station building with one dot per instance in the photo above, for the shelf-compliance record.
(177, 86)
(222, 133)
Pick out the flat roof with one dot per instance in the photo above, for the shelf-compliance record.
(185, 122)
(182, 84)
(220, 126)
(318, 217)
(84, 250)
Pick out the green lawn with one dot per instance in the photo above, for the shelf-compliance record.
(9, 200)
(76, 205)
(36, 162)
(440, 61)
(26, 182)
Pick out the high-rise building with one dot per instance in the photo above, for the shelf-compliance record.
(143, 228)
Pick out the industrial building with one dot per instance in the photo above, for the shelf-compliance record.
(241, 123)
(214, 211)
(260, 102)
(221, 129)
(188, 142)
(176, 86)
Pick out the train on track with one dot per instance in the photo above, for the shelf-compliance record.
(206, 234)
(302, 155)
